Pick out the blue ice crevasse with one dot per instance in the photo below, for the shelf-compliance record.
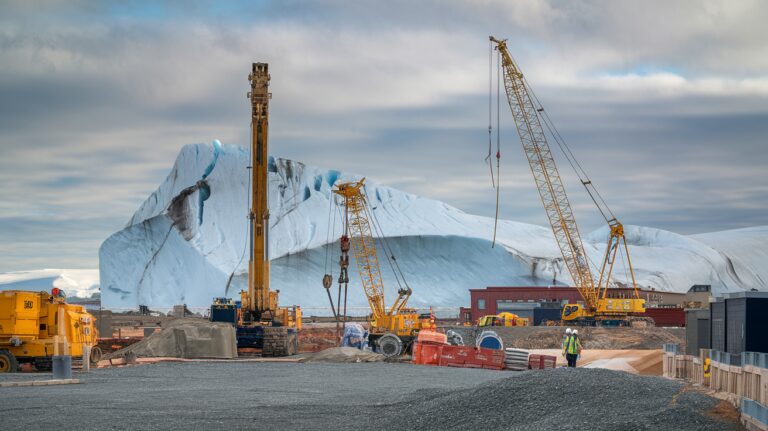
(204, 190)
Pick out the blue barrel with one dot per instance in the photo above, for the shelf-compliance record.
(490, 340)
(62, 367)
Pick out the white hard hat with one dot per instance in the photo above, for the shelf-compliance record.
(575, 332)
(568, 331)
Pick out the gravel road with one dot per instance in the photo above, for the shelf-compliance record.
(189, 396)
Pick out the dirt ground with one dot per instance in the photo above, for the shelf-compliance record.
(642, 362)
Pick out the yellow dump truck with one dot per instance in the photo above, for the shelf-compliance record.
(30, 333)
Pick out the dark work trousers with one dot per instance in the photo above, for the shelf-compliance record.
(571, 358)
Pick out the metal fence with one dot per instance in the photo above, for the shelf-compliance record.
(755, 359)
(726, 358)
(755, 410)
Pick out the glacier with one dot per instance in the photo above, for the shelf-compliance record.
(77, 283)
(187, 243)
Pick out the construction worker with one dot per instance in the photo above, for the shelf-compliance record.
(579, 348)
(565, 339)
(572, 348)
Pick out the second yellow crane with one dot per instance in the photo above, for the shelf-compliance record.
(597, 307)
(391, 329)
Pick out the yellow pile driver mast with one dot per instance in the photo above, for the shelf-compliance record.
(598, 308)
(390, 329)
(259, 303)
(261, 323)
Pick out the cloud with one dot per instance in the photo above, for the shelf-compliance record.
(663, 103)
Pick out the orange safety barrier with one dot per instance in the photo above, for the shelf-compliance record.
(432, 337)
(541, 362)
(426, 353)
(471, 357)
(432, 348)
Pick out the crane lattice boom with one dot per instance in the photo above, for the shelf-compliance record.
(362, 245)
(547, 177)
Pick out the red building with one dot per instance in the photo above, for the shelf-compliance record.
(528, 301)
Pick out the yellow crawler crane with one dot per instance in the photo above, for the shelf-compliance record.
(391, 330)
(597, 308)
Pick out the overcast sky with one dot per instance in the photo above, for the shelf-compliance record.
(664, 103)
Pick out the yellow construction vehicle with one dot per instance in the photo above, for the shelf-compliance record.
(30, 330)
(528, 116)
(261, 322)
(503, 319)
(392, 329)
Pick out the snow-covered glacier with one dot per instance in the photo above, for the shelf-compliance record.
(77, 283)
(187, 243)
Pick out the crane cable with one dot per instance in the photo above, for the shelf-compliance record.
(328, 277)
(580, 173)
(624, 264)
(490, 115)
(573, 161)
(576, 166)
(328, 230)
(571, 158)
(498, 146)
(247, 230)
(385, 245)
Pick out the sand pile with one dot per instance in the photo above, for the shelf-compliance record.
(643, 361)
(186, 338)
(343, 354)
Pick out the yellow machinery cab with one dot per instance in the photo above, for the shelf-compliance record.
(29, 328)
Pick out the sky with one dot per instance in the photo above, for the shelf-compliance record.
(665, 104)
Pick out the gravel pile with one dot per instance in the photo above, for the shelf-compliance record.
(590, 399)
(364, 396)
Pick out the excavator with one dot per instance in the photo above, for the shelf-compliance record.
(261, 322)
(597, 307)
(391, 330)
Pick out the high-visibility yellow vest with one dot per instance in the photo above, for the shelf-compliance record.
(572, 345)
